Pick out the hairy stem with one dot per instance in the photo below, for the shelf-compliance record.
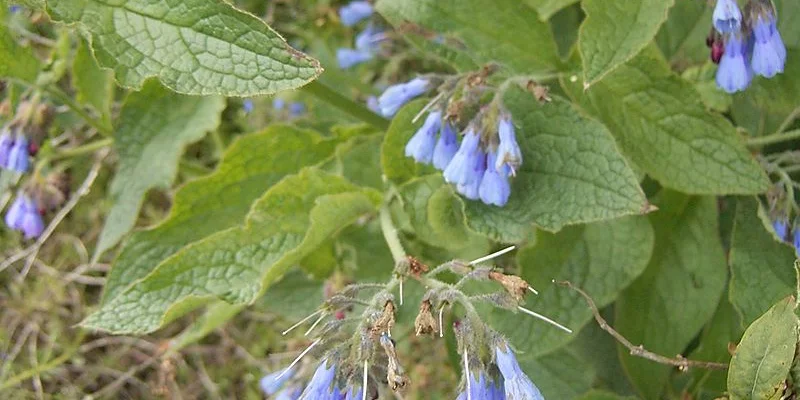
(640, 351)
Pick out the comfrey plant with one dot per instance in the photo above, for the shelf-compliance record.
(359, 358)
(481, 166)
(746, 44)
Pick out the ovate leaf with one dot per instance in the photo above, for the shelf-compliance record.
(193, 47)
(221, 200)
(94, 85)
(572, 173)
(661, 123)
(154, 126)
(503, 31)
(547, 8)
(763, 358)
(668, 305)
(761, 267)
(291, 220)
(615, 31)
(601, 258)
(16, 61)
(682, 37)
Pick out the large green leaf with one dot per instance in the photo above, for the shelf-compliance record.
(661, 123)
(682, 37)
(94, 85)
(221, 200)
(601, 258)
(155, 125)
(761, 266)
(15, 61)
(524, 44)
(668, 305)
(396, 166)
(572, 173)
(723, 329)
(763, 358)
(615, 31)
(560, 375)
(789, 22)
(547, 8)
(236, 265)
(192, 46)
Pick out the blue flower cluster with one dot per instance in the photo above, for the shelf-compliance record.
(320, 387)
(367, 46)
(24, 216)
(478, 172)
(512, 383)
(355, 12)
(752, 48)
(14, 151)
(396, 96)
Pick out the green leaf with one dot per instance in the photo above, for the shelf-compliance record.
(524, 44)
(722, 329)
(435, 213)
(547, 8)
(761, 266)
(16, 61)
(668, 305)
(572, 173)
(661, 123)
(560, 375)
(155, 125)
(682, 38)
(615, 31)
(601, 258)
(94, 85)
(602, 395)
(358, 160)
(396, 166)
(236, 265)
(763, 358)
(789, 22)
(193, 47)
(221, 200)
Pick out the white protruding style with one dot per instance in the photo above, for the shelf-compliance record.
(491, 256)
(296, 360)
(545, 319)
(302, 321)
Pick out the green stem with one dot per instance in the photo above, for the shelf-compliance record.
(325, 93)
(101, 127)
(87, 148)
(390, 235)
(774, 138)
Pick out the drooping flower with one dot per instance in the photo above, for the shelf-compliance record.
(290, 393)
(296, 109)
(18, 155)
(517, 385)
(479, 389)
(508, 152)
(495, 188)
(781, 227)
(372, 104)
(396, 96)
(471, 188)
(460, 167)
(727, 16)
(354, 12)
(769, 52)
(446, 146)
(369, 38)
(348, 58)
(320, 387)
(272, 383)
(734, 73)
(248, 106)
(796, 237)
(421, 145)
(23, 216)
(6, 142)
